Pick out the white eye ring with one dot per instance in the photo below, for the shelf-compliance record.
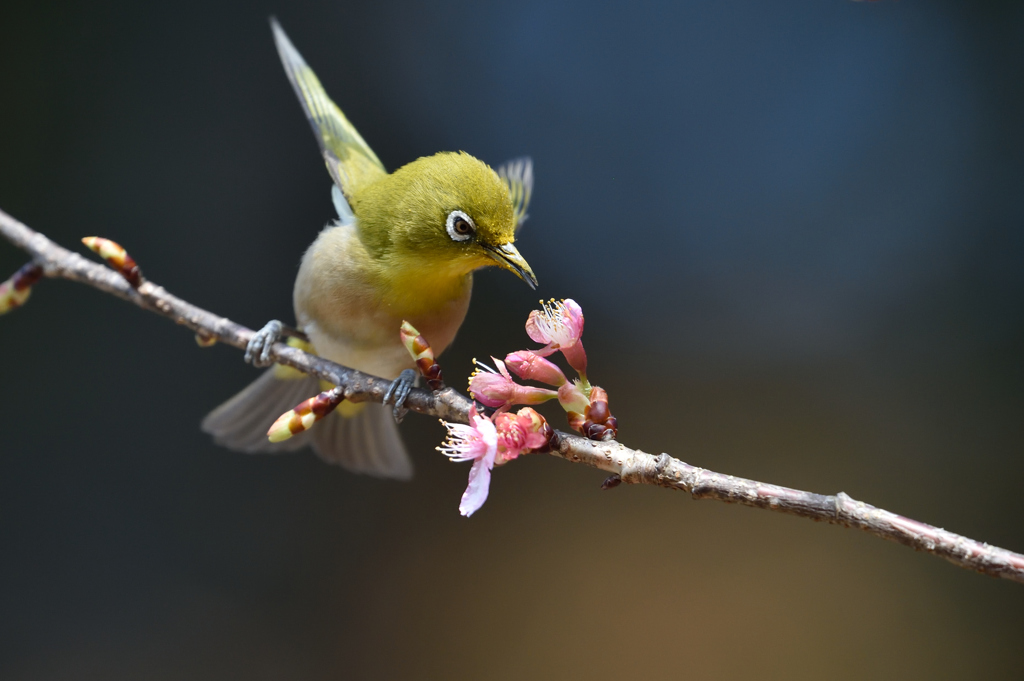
(452, 224)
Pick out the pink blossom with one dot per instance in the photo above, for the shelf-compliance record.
(531, 366)
(477, 442)
(559, 324)
(488, 443)
(520, 433)
(495, 388)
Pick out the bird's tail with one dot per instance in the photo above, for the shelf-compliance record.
(360, 437)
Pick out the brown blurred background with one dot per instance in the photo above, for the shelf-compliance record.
(795, 228)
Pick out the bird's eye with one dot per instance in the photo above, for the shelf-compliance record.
(460, 226)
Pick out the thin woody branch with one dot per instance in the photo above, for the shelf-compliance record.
(626, 465)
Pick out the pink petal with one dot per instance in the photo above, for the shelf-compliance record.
(479, 485)
(501, 368)
(574, 317)
(535, 440)
(546, 351)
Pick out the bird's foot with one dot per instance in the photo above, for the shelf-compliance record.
(258, 351)
(398, 391)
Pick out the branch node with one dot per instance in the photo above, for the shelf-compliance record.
(611, 482)
(205, 340)
(840, 503)
(641, 467)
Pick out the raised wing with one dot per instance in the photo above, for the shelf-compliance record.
(518, 175)
(350, 161)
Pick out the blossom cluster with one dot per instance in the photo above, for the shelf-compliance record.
(559, 325)
(492, 441)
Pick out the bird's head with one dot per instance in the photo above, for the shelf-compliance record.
(449, 212)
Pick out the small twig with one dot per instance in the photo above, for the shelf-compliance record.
(626, 465)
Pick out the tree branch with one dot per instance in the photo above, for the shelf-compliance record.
(626, 465)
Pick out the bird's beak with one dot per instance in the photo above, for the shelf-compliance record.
(508, 257)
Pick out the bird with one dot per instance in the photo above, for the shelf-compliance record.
(403, 248)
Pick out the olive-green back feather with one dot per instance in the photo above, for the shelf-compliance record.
(350, 160)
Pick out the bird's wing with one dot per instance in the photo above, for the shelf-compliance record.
(345, 214)
(350, 161)
(518, 176)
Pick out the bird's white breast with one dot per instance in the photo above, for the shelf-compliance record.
(338, 303)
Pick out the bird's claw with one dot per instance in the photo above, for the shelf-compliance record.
(398, 391)
(258, 351)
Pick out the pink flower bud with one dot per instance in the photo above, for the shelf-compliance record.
(497, 389)
(533, 367)
(491, 390)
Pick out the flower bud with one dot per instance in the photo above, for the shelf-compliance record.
(533, 367)
(497, 389)
(491, 390)
(595, 421)
(16, 290)
(116, 257)
(303, 416)
(205, 340)
(422, 354)
(598, 411)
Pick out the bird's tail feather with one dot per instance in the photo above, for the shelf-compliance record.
(365, 442)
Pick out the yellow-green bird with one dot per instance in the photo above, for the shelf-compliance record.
(404, 247)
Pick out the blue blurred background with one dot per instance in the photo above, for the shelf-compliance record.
(796, 231)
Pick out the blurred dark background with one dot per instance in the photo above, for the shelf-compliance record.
(795, 229)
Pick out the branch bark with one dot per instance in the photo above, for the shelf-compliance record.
(626, 465)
